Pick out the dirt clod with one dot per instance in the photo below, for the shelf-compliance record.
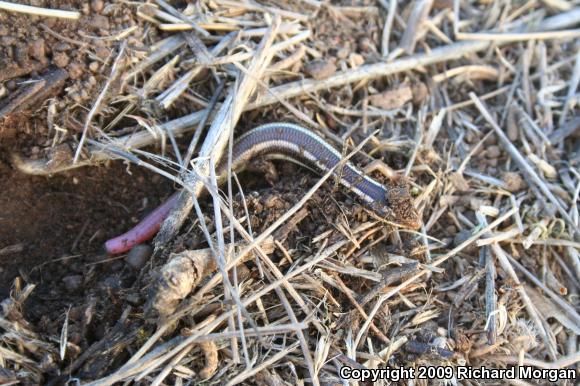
(73, 282)
(61, 59)
(138, 256)
(122, 90)
(493, 152)
(97, 5)
(392, 99)
(320, 69)
(514, 181)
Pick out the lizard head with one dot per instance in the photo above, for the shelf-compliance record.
(398, 206)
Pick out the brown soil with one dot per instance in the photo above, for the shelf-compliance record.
(53, 227)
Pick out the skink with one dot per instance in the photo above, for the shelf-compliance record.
(392, 203)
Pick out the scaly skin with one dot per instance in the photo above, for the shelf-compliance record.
(392, 202)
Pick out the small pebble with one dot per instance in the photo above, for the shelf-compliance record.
(273, 202)
(75, 70)
(99, 22)
(475, 203)
(512, 126)
(493, 151)
(7, 40)
(116, 266)
(392, 99)
(21, 54)
(111, 283)
(73, 282)
(133, 299)
(61, 46)
(420, 92)
(343, 53)
(320, 69)
(470, 137)
(366, 44)
(491, 140)
(75, 337)
(94, 67)
(102, 52)
(75, 314)
(514, 181)
(138, 256)
(75, 96)
(97, 5)
(61, 59)
(442, 4)
(356, 60)
(461, 237)
(37, 50)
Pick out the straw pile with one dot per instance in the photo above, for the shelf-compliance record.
(476, 103)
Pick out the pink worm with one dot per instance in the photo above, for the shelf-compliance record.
(143, 231)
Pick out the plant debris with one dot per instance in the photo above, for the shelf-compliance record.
(284, 279)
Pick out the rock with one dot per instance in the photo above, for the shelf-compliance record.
(100, 22)
(343, 53)
(102, 52)
(392, 99)
(461, 237)
(86, 9)
(133, 299)
(116, 266)
(493, 152)
(73, 283)
(7, 40)
(61, 59)
(75, 70)
(37, 50)
(356, 60)
(512, 126)
(514, 181)
(97, 5)
(491, 140)
(61, 46)
(365, 44)
(420, 92)
(320, 69)
(138, 256)
(21, 54)
(94, 67)
(112, 283)
(442, 4)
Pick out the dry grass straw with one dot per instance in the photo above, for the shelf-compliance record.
(38, 11)
(492, 275)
